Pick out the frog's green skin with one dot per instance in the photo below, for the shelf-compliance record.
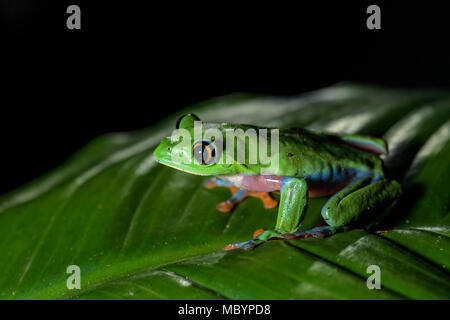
(345, 167)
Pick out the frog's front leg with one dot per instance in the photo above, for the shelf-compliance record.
(293, 203)
(239, 195)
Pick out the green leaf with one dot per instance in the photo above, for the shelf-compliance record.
(139, 230)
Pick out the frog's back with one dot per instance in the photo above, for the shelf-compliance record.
(304, 153)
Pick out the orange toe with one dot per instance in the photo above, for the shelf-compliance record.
(257, 232)
(210, 184)
(270, 203)
(230, 247)
(224, 207)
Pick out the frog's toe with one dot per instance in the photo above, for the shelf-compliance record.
(233, 246)
(210, 183)
(246, 245)
(225, 206)
(268, 201)
(257, 232)
(260, 236)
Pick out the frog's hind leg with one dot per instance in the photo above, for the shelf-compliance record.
(239, 195)
(359, 202)
(355, 203)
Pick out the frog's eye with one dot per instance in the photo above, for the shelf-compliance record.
(204, 152)
(186, 121)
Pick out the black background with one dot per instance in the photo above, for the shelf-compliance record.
(135, 62)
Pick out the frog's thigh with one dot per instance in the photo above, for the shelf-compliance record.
(293, 202)
(359, 200)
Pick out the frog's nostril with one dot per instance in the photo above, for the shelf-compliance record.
(168, 148)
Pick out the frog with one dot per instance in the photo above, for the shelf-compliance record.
(346, 168)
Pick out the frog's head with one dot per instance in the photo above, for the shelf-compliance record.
(198, 148)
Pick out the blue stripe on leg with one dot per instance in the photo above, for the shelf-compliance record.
(216, 182)
(238, 196)
(223, 183)
(317, 232)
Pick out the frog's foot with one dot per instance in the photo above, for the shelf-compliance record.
(225, 206)
(317, 232)
(210, 183)
(261, 236)
(228, 205)
(266, 198)
(239, 195)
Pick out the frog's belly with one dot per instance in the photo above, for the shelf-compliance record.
(263, 183)
(324, 190)
(270, 183)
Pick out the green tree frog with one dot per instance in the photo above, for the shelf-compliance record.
(347, 168)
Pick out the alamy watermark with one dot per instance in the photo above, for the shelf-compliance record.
(74, 20)
(374, 20)
(374, 280)
(74, 280)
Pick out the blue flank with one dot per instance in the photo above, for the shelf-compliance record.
(334, 177)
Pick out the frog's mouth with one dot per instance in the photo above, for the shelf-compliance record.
(163, 155)
(181, 167)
